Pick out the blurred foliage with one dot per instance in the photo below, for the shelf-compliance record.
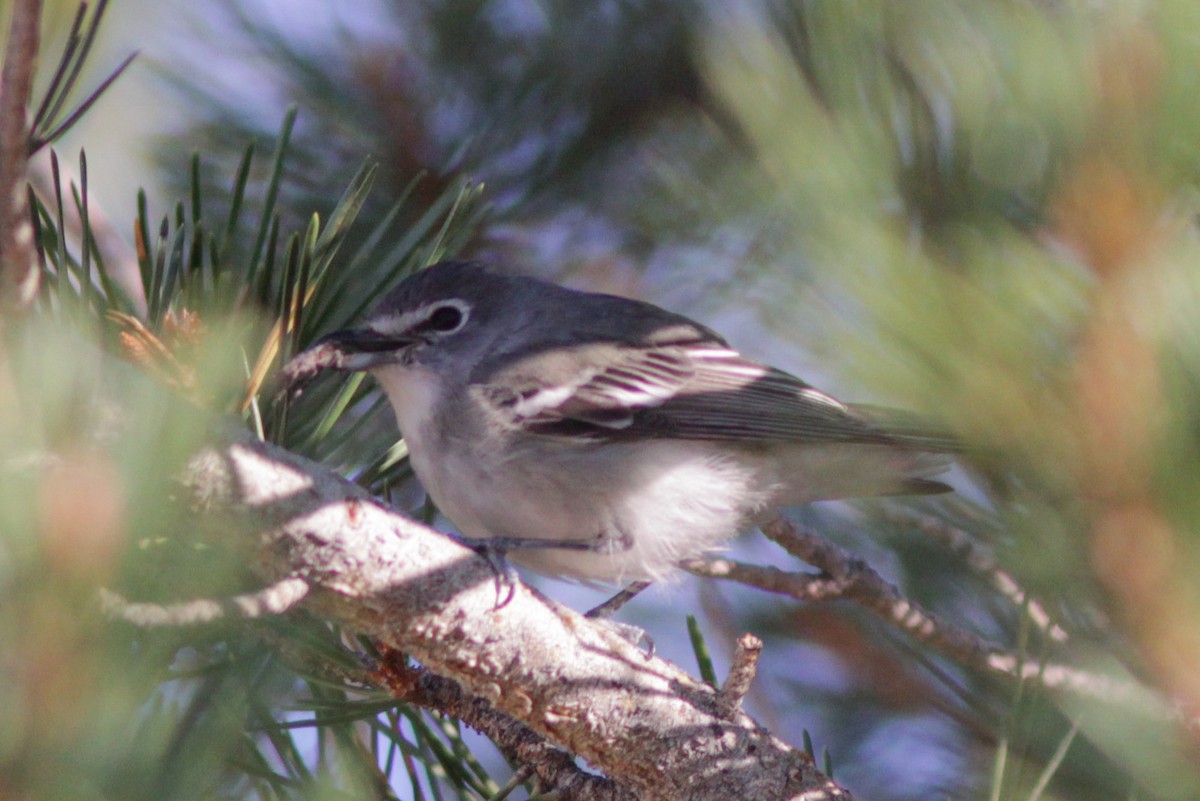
(106, 393)
(115, 395)
(983, 212)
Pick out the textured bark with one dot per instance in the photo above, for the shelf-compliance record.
(652, 728)
(18, 266)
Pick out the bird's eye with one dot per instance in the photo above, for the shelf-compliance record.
(444, 319)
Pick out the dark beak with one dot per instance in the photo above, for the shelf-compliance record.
(352, 349)
(361, 348)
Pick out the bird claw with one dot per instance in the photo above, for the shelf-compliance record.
(495, 549)
(506, 578)
(493, 552)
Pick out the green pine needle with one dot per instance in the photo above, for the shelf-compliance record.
(700, 649)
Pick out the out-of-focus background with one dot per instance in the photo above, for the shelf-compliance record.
(982, 212)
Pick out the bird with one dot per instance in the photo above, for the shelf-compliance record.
(603, 439)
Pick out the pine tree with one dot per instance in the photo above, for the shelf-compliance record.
(982, 213)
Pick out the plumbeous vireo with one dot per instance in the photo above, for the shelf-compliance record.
(617, 435)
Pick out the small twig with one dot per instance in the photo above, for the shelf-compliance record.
(741, 675)
(613, 605)
(801, 586)
(273, 600)
(983, 561)
(519, 777)
(848, 577)
(18, 260)
(554, 767)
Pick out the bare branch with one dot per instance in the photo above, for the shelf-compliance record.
(984, 562)
(274, 600)
(18, 261)
(848, 577)
(650, 727)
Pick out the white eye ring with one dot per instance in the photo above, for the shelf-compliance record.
(438, 321)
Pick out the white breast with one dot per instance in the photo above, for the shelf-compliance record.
(412, 392)
(456, 479)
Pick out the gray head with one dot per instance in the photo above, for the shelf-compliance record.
(439, 310)
(454, 313)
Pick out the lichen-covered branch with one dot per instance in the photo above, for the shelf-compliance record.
(656, 732)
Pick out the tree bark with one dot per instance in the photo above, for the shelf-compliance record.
(18, 265)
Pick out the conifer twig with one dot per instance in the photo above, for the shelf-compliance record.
(983, 561)
(845, 576)
(741, 674)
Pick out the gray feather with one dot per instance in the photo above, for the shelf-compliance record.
(698, 389)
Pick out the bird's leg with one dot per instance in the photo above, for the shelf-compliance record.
(604, 543)
(634, 635)
(613, 604)
(503, 545)
(495, 549)
(506, 578)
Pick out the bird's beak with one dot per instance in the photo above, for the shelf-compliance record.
(363, 348)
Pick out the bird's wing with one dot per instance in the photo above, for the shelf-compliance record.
(700, 390)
